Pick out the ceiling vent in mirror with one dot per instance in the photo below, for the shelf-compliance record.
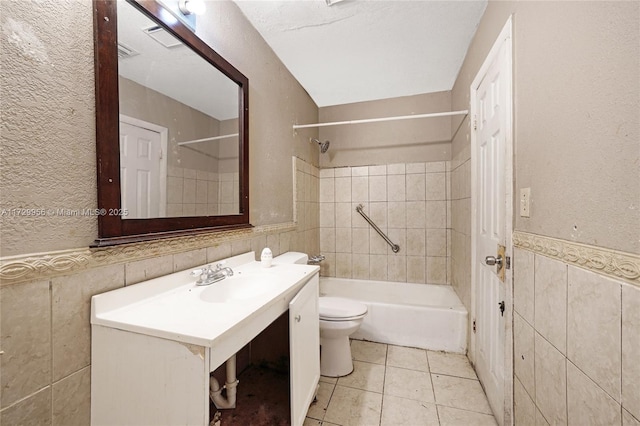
(161, 36)
(125, 51)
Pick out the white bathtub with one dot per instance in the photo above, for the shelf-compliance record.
(418, 315)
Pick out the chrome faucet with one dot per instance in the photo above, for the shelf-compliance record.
(208, 276)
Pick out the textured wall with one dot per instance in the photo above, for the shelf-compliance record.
(47, 159)
(577, 128)
(48, 119)
(405, 141)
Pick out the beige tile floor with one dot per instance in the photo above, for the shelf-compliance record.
(400, 386)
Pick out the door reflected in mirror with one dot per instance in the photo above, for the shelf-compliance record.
(179, 126)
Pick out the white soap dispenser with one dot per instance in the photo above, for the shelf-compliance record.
(266, 257)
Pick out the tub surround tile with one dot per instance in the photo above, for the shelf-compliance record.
(32, 411)
(397, 214)
(327, 215)
(416, 243)
(354, 407)
(360, 188)
(436, 270)
(416, 269)
(551, 382)
(455, 417)
(377, 245)
(435, 166)
(372, 352)
(396, 169)
(365, 376)
(378, 170)
(523, 353)
(343, 189)
(448, 364)
(593, 324)
(396, 188)
(71, 315)
(327, 240)
(400, 411)
(436, 242)
(410, 358)
(456, 392)
(327, 190)
(318, 408)
(343, 240)
(377, 188)
(436, 214)
(360, 241)
(343, 215)
(378, 267)
(415, 187)
(631, 349)
(25, 316)
(410, 384)
(550, 315)
(397, 268)
(587, 403)
(72, 399)
(416, 214)
(360, 266)
(523, 283)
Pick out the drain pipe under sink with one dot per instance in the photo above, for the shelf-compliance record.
(215, 391)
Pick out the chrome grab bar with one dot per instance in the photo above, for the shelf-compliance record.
(394, 247)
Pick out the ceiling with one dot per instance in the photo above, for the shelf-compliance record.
(361, 50)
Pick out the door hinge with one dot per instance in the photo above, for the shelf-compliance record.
(474, 326)
(475, 123)
(508, 262)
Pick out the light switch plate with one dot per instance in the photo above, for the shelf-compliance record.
(525, 202)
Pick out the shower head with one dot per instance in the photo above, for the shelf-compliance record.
(324, 146)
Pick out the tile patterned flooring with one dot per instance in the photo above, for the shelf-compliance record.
(395, 385)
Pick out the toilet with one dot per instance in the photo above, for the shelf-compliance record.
(339, 318)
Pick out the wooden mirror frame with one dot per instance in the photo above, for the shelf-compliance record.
(112, 229)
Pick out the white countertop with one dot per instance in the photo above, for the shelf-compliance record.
(170, 307)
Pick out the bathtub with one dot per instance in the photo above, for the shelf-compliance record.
(418, 315)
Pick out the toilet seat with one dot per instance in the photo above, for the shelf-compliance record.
(340, 309)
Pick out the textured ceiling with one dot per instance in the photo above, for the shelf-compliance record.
(360, 50)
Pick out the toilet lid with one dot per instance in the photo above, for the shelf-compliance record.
(333, 308)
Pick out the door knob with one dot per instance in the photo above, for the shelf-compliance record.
(490, 260)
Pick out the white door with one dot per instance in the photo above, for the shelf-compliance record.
(491, 235)
(304, 342)
(142, 175)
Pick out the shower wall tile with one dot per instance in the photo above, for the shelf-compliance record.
(416, 268)
(360, 266)
(377, 188)
(631, 349)
(378, 170)
(394, 196)
(378, 267)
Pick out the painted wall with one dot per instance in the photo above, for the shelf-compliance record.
(405, 141)
(577, 128)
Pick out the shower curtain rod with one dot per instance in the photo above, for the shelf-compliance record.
(374, 120)
(214, 138)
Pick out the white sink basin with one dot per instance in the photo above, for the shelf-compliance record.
(237, 289)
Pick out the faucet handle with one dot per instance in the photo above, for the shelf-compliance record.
(220, 264)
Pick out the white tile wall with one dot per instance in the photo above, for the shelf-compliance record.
(407, 201)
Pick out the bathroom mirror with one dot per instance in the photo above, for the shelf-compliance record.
(172, 128)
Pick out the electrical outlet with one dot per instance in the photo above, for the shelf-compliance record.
(525, 202)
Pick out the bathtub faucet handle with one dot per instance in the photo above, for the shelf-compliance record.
(314, 260)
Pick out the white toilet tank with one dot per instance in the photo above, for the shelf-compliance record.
(292, 257)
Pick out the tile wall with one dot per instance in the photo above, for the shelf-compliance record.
(409, 202)
(461, 226)
(193, 192)
(576, 345)
(45, 368)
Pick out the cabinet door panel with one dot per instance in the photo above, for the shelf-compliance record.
(304, 329)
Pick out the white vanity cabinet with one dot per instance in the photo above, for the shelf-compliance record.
(142, 375)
